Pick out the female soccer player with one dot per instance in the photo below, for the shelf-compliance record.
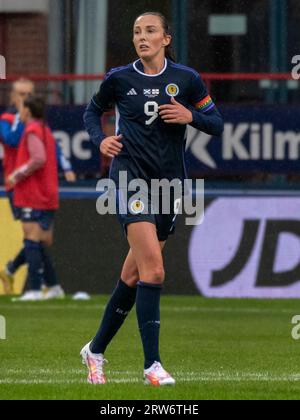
(155, 99)
(35, 183)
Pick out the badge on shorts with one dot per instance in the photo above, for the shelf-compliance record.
(26, 213)
(172, 90)
(137, 207)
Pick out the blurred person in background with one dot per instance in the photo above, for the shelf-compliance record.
(36, 198)
(11, 131)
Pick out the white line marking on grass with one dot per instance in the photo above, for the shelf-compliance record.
(57, 372)
(196, 379)
(43, 306)
(63, 381)
(182, 377)
(37, 371)
(180, 309)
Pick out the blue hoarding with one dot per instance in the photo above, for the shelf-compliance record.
(255, 139)
(264, 139)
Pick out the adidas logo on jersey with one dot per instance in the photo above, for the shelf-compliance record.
(132, 92)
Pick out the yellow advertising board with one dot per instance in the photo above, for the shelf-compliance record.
(11, 241)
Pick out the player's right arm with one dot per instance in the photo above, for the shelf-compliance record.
(102, 102)
(37, 159)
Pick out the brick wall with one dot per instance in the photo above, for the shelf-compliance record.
(24, 43)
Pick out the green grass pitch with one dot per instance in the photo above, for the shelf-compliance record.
(216, 349)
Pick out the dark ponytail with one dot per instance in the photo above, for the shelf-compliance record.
(36, 106)
(170, 54)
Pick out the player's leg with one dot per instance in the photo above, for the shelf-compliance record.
(37, 228)
(34, 259)
(20, 259)
(54, 290)
(7, 275)
(13, 266)
(119, 306)
(130, 273)
(147, 253)
(116, 311)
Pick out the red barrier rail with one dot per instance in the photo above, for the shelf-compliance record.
(60, 81)
(206, 76)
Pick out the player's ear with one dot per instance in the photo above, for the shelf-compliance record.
(167, 40)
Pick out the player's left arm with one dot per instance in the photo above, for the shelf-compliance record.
(202, 113)
(206, 116)
(37, 159)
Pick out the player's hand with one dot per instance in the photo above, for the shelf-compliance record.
(70, 176)
(111, 146)
(175, 113)
(11, 180)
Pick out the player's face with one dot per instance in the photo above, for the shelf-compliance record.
(149, 37)
(20, 91)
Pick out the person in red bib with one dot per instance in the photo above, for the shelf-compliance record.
(9, 128)
(36, 197)
(11, 131)
(10, 134)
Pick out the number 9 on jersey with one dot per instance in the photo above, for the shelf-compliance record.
(151, 110)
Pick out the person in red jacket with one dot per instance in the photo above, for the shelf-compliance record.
(20, 90)
(36, 197)
(11, 131)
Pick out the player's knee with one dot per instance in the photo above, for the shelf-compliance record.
(130, 274)
(28, 231)
(131, 279)
(31, 234)
(47, 239)
(48, 242)
(157, 274)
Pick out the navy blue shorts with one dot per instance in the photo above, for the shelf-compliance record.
(45, 218)
(132, 210)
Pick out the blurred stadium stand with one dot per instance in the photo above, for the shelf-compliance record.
(244, 57)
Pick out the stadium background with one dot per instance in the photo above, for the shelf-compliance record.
(244, 51)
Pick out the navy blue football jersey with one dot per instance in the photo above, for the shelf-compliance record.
(152, 148)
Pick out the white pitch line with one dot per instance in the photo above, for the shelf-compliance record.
(163, 309)
(56, 372)
(183, 374)
(182, 377)
(60, 382)
(139, 380)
